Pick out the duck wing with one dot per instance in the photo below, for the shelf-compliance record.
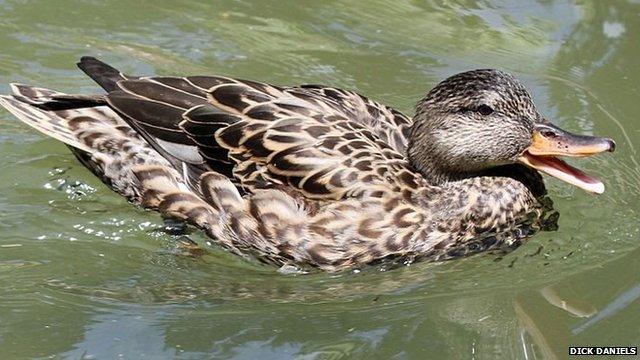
(387, 123)
(324, 142)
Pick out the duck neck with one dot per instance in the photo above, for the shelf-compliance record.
(438, 172)
(432, 168)
(530, 178)
(440, 176)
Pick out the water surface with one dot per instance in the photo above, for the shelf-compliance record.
(85, 275)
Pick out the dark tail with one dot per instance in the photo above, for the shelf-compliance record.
(105, 75)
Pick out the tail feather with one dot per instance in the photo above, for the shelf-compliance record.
(31, 92)
(48, 123)
(99, 138)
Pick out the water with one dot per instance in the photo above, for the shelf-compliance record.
(85, 275)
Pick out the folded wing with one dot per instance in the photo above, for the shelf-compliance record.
(326, 143)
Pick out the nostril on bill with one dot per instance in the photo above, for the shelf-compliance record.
(549, 134)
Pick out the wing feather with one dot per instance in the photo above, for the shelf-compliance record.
(324, 142)
(156, 91)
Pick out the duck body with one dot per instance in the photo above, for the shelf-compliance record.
(309, 175)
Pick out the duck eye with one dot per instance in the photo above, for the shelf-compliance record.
(485, 109)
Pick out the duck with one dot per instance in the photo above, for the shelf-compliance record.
(317, 176)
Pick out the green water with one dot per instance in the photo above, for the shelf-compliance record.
(85, 275)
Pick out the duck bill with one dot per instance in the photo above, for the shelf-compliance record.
(549, 141)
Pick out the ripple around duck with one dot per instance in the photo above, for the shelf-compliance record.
(217, 278)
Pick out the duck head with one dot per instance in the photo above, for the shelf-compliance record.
(481, 119)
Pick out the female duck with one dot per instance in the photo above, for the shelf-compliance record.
(314, 175)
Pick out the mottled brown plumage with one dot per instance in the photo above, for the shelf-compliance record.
(308, 175)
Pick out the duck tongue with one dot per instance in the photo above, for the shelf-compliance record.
(563, 171)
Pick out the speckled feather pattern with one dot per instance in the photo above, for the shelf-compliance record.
(309, 175)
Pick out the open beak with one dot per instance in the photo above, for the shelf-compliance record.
(549, 141)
